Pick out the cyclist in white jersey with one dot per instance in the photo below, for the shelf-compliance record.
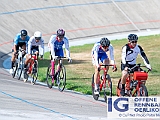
(35, 46)
(99, 54)
(129, 54)
(56, 43)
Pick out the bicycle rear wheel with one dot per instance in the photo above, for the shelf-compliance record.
(49, 77)
(61, 78)
(94, 96)
(15, 69)
(34, 72)
(142, 92)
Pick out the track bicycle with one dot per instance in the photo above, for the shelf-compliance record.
(135, 82)
(32, 69)
(56, 74)
(103, 79)
(19, 63)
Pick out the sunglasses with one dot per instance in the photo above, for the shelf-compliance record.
(23, 36)
(134, 42)
(37, 38)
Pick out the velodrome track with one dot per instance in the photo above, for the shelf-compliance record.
(81, 20)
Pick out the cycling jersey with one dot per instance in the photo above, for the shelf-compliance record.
(56, 46)
(33, 44)
(99, 54)
(129, 55)
(18, 40)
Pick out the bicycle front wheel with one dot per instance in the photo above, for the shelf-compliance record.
(108, 88)
(15, 69)
(20, 68)
(49, 77)
(61, 78)
(142, 92)
(34, 72)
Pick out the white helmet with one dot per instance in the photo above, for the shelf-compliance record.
(37, 35)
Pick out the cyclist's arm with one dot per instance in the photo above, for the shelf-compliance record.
(29, 45)
(66, 43)
(95, 50)
(123, 57)
(111, 51)
(144, 57)
(51, 43)
(15, 42)
(41, 48)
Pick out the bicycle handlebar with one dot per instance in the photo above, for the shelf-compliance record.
(107, 65)
(137, 66)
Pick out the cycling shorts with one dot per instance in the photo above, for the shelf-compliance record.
(20, 44)
(34, 49)
(59, 52)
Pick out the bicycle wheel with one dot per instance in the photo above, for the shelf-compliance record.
(15, 69)
(94, 96)
(49, 77)
(142, 92)
(119, 87)
(34, 72)
(109, 87)
(61, 78)
(20, 68)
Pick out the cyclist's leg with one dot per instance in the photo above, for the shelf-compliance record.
(24, 48)
(59, 53)
(15, 47)
(96, 75)
(96, 80)
(123, 79)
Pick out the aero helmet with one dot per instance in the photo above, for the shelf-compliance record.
(104, 42)
(60, 33)
(132, 37)
(23, 33)
(37, 35)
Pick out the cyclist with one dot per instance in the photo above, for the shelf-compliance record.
(56, 43)
(99, 54)
(35, 46)
(20, 40)
(130, 52)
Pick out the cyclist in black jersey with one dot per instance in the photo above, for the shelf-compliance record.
(130, 52)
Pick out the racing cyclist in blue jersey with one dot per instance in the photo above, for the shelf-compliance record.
(130, 52)
(35, 46)
(20, 40)
(99, 54)
(56, 43)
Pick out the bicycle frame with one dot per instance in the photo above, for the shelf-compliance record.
(32, 61)
(103, 82)
(53, 68)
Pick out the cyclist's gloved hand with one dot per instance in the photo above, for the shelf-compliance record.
(54, 57)
(41, 57)
(69, 60)
(114, 68)
(149, 67)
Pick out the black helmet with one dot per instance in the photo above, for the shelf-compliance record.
(60, 33)
(104, 42)
(23, 32)
(132, 37)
